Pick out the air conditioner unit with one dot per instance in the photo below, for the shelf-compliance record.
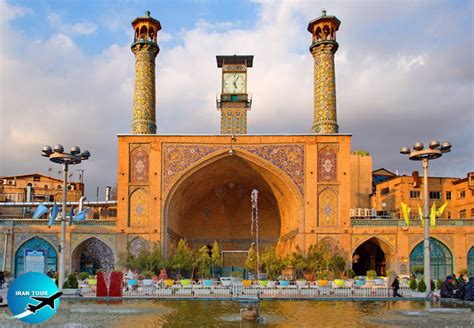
(11, 182)
(71, 186)
(60, 187)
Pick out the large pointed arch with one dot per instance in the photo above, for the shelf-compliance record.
(275, 184)
(470, 262)
(441, 258)
(35, 254)
(91, 255)
(372, 253)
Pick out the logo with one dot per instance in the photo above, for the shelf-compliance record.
(33, 297)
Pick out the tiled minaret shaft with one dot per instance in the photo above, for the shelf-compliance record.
(323, 48)
(145, 49)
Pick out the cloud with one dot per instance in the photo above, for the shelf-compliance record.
(397, 82)
(80, 28)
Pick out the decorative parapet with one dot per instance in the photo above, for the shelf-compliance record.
(401, 223)
(30, 222)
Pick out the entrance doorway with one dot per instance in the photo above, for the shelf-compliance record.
(369, 256)
(92, 255)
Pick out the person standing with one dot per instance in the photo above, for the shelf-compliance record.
(2, 279)
(396, 286)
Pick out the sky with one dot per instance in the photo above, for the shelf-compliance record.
(404, 73)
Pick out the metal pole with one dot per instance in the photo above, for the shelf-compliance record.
(426, 244)
(5, 244)
(258, 254)
(62, 242)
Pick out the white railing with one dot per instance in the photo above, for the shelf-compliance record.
(238, 291)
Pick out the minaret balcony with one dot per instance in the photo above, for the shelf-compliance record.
(233, 98)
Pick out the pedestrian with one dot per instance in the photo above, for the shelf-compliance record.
(2, 278)
(461, 280)
(396, 286)
(469, 295)
(447, 288)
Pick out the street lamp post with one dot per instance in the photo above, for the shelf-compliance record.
(57, 155)
(418, 153)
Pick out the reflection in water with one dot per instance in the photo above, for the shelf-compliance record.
(151, 313)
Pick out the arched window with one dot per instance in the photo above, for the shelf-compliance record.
(35, 255)
(441, 259)
(151, 34)
(327, 32)
(143, 33)
(470, 262)
(318, 34)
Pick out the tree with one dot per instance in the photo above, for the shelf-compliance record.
(315, 260)
(182, 259)
(298, 260)
(203, 261)
(337, 265)
(271, 263)
(216, 259)
(146, 260)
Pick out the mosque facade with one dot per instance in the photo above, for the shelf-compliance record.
(198, 187)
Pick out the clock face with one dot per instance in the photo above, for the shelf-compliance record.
(234, 83)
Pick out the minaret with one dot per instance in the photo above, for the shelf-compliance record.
(323, 48)
(234, 101)
(145, 49)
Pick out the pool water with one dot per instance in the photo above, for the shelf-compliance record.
(151, 313)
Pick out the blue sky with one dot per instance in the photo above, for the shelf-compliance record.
(404, 72)
(111, 19)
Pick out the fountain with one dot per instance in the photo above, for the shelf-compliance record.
(252, 312)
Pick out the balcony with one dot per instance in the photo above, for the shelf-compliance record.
(229, 98)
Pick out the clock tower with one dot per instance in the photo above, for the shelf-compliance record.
(234, 101)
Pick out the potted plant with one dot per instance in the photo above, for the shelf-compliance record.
(263, 283)
(301, 282)
(339, 282)
(70, 286)
(322, 280)
(371, 275)
(169, 282)
(185, 282)
(359, 281)
(147, 281)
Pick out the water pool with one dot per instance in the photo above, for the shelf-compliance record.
(151, 313)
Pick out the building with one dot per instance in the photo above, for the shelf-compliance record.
(34, 188)
(457, 193)
(312, 188)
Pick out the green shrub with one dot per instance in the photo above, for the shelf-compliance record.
(418, 270)
(371, 275)
(439, 284)
(413, 284)
(147, 274)
(432, 285)
(83, 275)
(236, 274)
(71, 282)
(422, 286)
